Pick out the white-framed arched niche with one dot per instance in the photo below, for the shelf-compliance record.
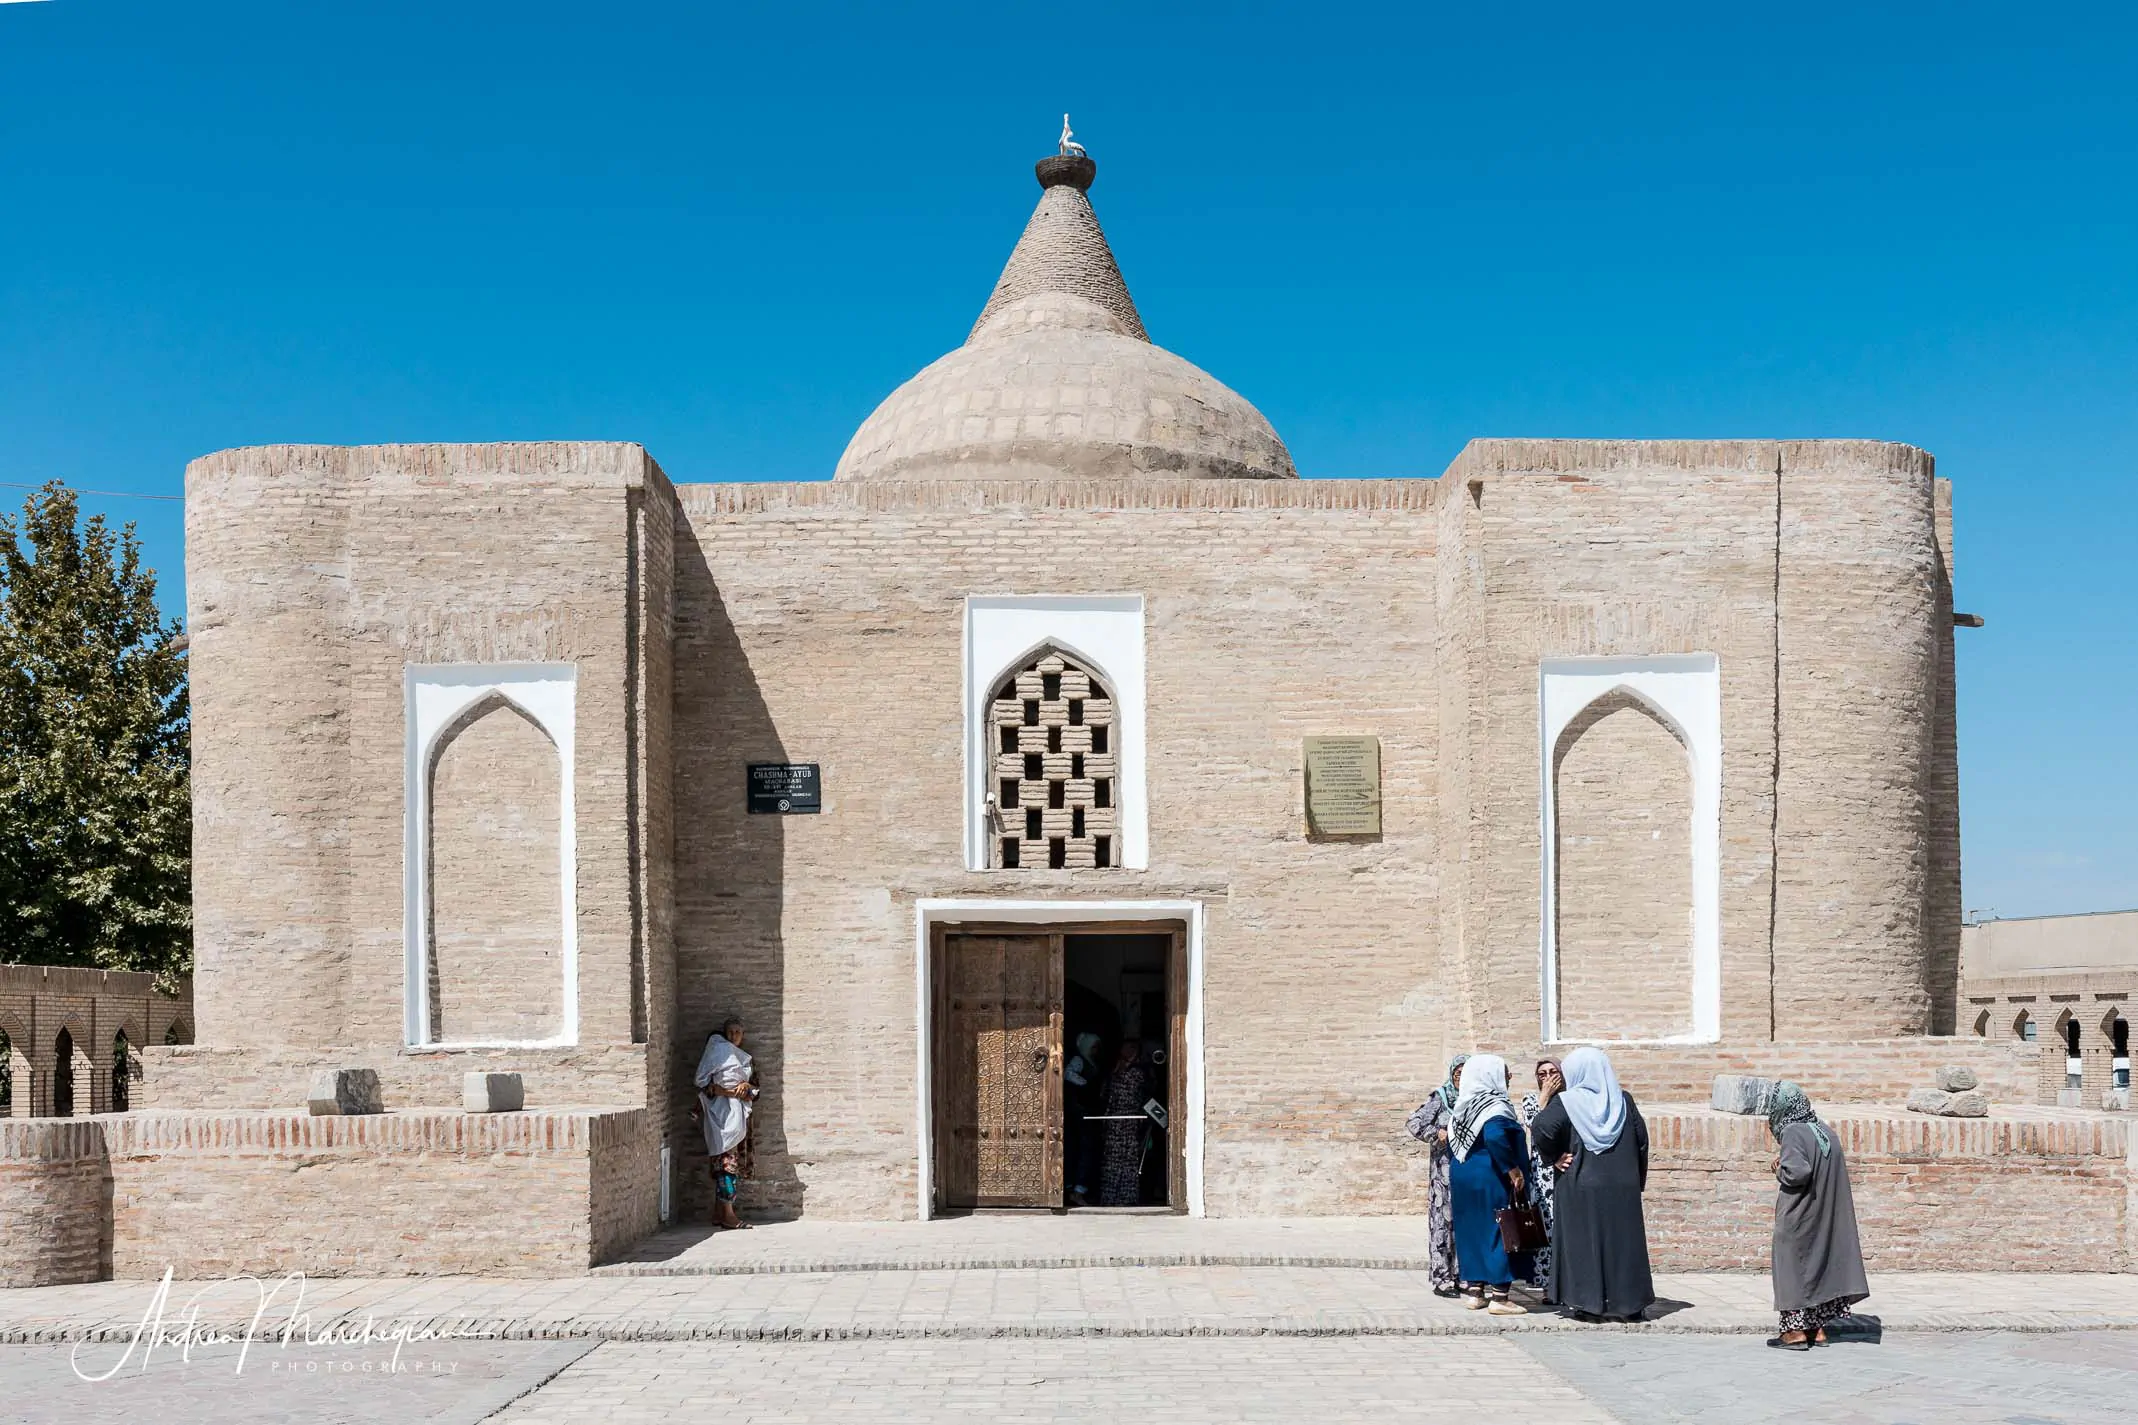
(1101, 632)
(1662, 698)
(517, 722)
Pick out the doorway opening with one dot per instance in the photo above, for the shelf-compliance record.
(1116, 1089)
(1059, 1060)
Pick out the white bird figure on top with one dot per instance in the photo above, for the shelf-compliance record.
(1069, 144)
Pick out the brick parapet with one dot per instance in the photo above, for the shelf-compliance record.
(544, 1193)
(2025, 1190)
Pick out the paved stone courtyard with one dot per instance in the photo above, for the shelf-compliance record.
(1052, 1320)
(1973, 1378)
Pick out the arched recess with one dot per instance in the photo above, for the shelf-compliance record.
(1657, 725)
(2023, 1027)
(496, 921)
(479, 737)
(1622, 790)
(1102, 633)
(69, 1087)
(1982, 1025)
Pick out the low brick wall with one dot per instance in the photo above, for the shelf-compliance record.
(55, 1210)
(415, 1193)
(2024, 1190)
(511, 1194)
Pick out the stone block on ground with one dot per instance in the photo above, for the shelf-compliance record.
(1929, 1101)
(492, 1093)
(1955, 1079)
(1968, 1105)
(1740, 1093)
(345, 1092)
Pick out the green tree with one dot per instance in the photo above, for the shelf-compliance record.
(96, 829)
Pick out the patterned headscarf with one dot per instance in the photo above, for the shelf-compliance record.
(1787, 1103)
(1483, 1098)
(1447, 1091)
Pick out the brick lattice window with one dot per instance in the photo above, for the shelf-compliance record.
(1057, 778)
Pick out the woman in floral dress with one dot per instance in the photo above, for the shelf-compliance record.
(1549, 1083)
(1429, 1125)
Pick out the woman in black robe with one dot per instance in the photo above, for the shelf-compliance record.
(1595, 1134)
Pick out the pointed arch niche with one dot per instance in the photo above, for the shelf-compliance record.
(1102, 634)
(488, 777)
(1661, 717)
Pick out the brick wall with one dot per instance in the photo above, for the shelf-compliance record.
(521, 1194)
(2040, 1194)
(279, 1076)
(316, 575)
(53, 1203)
(37, 1002)
(1990, 1006)
(1416, 611)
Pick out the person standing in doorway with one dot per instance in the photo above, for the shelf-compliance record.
(1550, 1081)
(726, 1092)
(1595, 1138)
(1082, 1093)
(1818, 1257)
(1429, 1125)
(1488, 1175)
(1121, 1157)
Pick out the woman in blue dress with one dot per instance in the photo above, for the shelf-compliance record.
(1489, 1171)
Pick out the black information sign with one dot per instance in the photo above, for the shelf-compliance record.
(785, 789)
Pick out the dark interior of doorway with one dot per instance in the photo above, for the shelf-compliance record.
(1116, 1040)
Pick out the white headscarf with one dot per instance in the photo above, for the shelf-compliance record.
(726, 1119)
(1594, 1100)
(1483, 1098)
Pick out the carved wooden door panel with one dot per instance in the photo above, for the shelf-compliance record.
(999, 1070)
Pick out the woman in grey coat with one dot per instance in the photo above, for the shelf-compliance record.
(1818, 1259)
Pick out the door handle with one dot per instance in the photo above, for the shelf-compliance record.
(1039, 1060)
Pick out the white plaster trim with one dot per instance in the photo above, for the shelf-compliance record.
(1105, 631)
(1686, 690)
(436, 694)
(928, 914)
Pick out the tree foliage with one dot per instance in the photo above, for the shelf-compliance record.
(96, 835)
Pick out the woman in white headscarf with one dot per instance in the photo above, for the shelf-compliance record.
(725, 1096)
(1488, 1174)
(1593, 1131)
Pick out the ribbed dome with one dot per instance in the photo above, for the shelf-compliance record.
(1058, 378)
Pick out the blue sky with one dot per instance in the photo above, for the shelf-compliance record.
(728, 231)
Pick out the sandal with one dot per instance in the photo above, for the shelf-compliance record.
(1782, 1343)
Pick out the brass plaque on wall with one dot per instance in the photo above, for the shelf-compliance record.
(1343, 786)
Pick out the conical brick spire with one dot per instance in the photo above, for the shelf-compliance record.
(1063, 250)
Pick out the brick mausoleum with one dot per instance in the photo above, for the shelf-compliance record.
(1088, 716)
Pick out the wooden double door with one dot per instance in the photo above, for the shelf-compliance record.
(998, 1020)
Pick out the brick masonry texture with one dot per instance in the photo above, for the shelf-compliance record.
(93, 1007)
(712, 627)
(52, 1200)
(1623, 792)
(212, 1194)
(2004, 1193)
